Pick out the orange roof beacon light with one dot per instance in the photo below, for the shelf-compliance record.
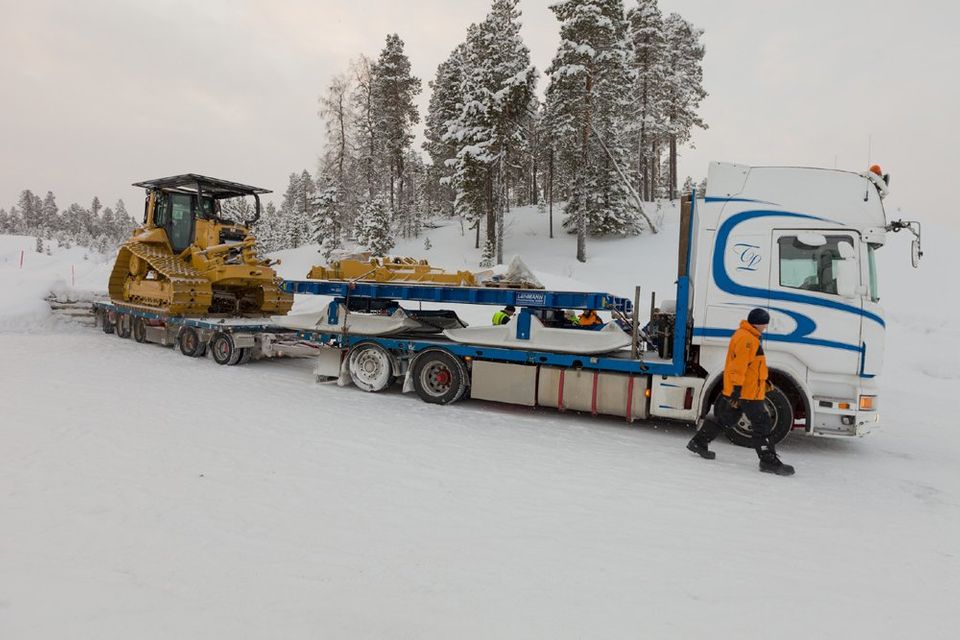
(875, 168)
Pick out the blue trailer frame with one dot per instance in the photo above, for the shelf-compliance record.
(537, 298)
(528, 299)
(674, 367)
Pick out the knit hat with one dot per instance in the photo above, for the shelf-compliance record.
(509, 307)
(758, 317)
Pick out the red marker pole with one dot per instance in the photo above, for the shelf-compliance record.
(21, 258)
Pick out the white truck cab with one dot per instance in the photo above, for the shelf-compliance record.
(799, 242)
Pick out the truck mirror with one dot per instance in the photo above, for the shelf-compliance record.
(848, 272)
(915, 253)
(811, 239)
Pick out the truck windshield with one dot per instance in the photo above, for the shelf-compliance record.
(872, 261)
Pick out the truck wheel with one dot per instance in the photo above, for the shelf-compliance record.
(124, 325)
(189, 343)
(224, 350)
(105, 323)
(139, 330)
(439, 377)
(246, 355)
(781, 415)
(370, 367)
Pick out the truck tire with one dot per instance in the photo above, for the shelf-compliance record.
(139, 329)
(124, 325)
(105, 323)
(438, 377)
(370, 367)
(189, 343)
(224, 349)
(781, 414)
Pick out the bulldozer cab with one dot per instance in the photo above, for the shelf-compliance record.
(175, 213)
(178, 201)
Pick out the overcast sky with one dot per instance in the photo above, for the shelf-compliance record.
(96, 94)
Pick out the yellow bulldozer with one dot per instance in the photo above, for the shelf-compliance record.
(187, 259)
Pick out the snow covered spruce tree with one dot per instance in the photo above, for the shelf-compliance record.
(588, 99)
(327, 227)
(372, 227)
(444, 107)
(393, 91)
(650, 70)
(684, 87)
(268, 230)
(296, 211)
(497, 85)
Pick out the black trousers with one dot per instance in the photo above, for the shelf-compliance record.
(726, 416)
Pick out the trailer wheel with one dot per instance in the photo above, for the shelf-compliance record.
(124, 325)
(225, 350)
(189, 343)
(781, 415)
(139, 330)
(370, 367)
(439, 377)
(105, 323)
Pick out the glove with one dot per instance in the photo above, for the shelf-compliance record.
(735, 396)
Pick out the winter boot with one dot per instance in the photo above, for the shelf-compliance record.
(700, 448)
(770, 463)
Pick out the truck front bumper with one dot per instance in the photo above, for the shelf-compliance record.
(839, 418)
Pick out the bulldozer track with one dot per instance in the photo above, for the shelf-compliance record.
(186, 292)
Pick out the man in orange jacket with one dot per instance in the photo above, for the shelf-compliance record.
(744, 393)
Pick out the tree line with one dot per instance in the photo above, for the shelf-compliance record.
(95, 227)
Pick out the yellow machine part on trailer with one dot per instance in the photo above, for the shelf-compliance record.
(186, 260)
(391, 269)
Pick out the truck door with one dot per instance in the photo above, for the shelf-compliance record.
(809, 318)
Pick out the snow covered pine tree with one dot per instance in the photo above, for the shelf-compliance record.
(588, 103)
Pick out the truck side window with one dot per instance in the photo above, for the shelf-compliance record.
(810, 268)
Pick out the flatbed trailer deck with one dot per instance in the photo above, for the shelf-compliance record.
(231, 340)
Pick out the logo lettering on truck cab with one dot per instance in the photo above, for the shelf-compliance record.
(749, 256)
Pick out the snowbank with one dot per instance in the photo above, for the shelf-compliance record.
(27, 277)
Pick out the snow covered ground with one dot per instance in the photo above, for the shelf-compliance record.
(148, 495)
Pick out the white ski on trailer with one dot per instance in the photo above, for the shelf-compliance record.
(543, 338)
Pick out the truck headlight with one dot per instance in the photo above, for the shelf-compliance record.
(867, 403)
